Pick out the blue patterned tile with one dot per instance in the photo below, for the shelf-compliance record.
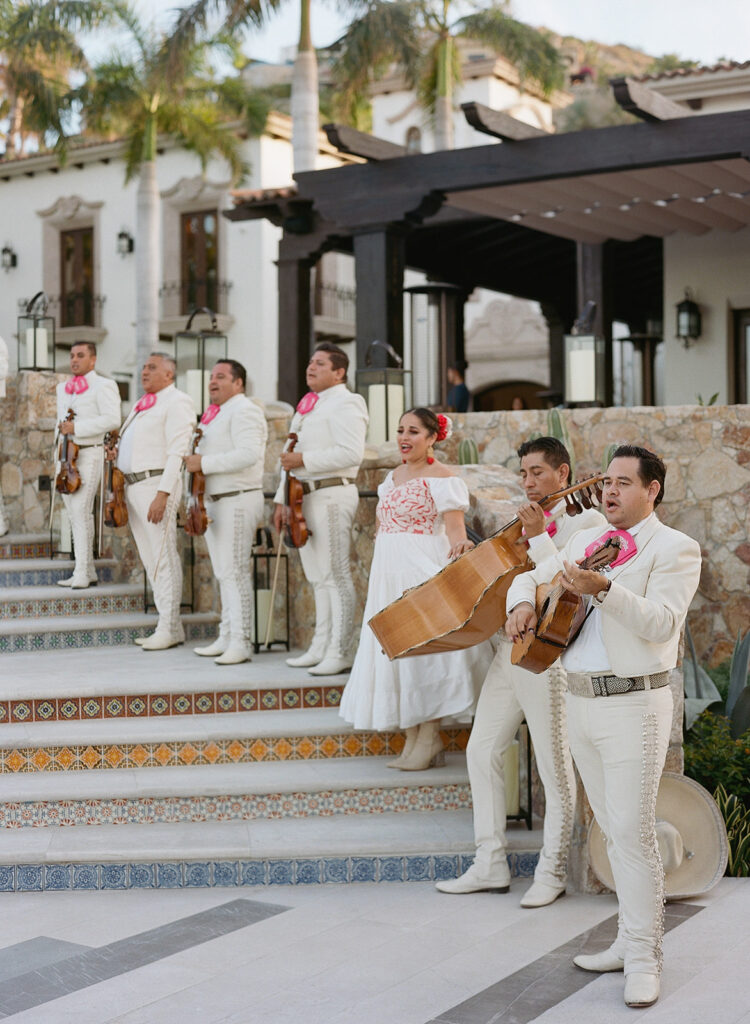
(114, 876)
(225, 872)
(252, 872)
(197, 875)
(363, 869)
(335, 870)
(57, 876)
(391, 869)
(85, 876)
(526, 864)
(307, 872)
(29, 878)
(446, 867)
(169, 876)
(467, 859)
(417, 869)
(141, 876)
(280, 872)
(7, 877)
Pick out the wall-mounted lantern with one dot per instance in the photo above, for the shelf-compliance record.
(195, 355)
(36, 336)
(8, 258)
(688, 319)
(125, 243)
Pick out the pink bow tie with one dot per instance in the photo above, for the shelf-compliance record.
(76, 386)
(307, 403)
(624, 541)
(146, 402)
(211, 412)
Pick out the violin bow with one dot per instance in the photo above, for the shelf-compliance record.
(269, 624)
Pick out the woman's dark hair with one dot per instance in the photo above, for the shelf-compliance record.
(650, 466)
(555, 453)
(426, 417)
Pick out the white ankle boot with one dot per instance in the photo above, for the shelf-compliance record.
(428, 751)
(214, 649)
(235, 654)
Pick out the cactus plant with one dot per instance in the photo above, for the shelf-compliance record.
(468, 453)
(557, 427)
(607, 454)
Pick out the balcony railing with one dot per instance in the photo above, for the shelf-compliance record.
(336, 302)
(77, 309)
(180, 298)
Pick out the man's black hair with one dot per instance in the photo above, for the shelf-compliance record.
(650, 466)
(555, 453)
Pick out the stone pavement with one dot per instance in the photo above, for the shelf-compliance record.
(368, 954)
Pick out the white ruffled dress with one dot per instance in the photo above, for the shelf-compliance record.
(411, 546)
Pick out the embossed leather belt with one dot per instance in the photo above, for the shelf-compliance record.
(230, 494)
(134, 478)
(330, 481)
(580, 685)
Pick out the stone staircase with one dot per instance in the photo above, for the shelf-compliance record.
(122, 768)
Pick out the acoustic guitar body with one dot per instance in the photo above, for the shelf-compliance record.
(460, 607)
(560, 615)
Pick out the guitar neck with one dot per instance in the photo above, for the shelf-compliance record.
(552, 499)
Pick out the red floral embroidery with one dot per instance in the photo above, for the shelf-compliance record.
(408, 508)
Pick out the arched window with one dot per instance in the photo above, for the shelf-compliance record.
(414, 140)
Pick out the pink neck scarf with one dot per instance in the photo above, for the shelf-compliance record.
(146, 402)
(76, 385)
(307, 403)
(211, 413)
(624, 541)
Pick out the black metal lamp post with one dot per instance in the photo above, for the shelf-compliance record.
(36, 336)
(195, 354)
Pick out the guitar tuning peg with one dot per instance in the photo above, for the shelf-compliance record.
(585, 499)
(598, 492)
(572, 508)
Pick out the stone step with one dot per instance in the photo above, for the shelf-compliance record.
(46, 601)
(25, 545)
(292, 789)
(45, 572)
(159, 683)
(51, 633)
(414, 846)
(241, 738)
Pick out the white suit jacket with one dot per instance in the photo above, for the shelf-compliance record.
(331, 436)
(544, 546)
(645, 607)
(161, 435)
(97, 409)
(233, 447)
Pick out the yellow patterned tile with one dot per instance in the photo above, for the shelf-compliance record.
(113, 756)
(259, 751)
(91, 757)
(65, 758)
(41, 759)
(139, 755)
(211, 753)
(283, 749)
(305, 748)
(163, 754)
(187, 753)
(353, 746)
(236, 751)
(329, 747)
(14, 761)
(375, 745)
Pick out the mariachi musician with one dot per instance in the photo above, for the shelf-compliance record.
(153, 442)
(331, 425)
(510, 694)
(619, 700)
(231, 455)
(95, 402)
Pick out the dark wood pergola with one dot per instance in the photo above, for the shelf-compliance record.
(561, 219)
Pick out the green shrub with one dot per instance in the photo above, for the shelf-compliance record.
(713, 758)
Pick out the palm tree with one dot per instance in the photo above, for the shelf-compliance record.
(160, 88)
(38, 53)
(420, 36)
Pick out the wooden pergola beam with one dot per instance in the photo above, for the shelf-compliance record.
(349, 140)
(638, 99)
(498, 124)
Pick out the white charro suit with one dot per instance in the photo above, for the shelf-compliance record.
(232, 450)
(510, 694)
(97, 411)
(332, 441)
(156, 439)
(619, 742)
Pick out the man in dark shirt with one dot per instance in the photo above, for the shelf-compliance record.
(459, 395)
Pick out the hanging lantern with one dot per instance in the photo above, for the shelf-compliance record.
(688, 319)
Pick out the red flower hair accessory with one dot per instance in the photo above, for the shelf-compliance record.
(445, 427)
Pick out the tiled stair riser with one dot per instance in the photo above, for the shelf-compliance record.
(224, 751)
(245, 807)
(164, 705)
(24, 549)
(71, 603)
(52, 641)
(47, 576)
(236, 873)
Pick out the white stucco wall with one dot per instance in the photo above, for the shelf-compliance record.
(715, 268)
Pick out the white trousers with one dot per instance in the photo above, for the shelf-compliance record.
(158, 541)
(619, 745)
(510, 694)
(79, 507)
(229, 539)
(329, 514)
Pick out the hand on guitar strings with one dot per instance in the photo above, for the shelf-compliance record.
(520, 621)
(532, 519)
(582, 581)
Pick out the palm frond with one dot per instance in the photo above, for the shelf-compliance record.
(530, 51)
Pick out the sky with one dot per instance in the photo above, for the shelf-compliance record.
(702, 30)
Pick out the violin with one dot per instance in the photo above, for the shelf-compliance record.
(196, 517)
(68, 478)
(296, 531)
(464, 603)
(560, 616)
(115, 509)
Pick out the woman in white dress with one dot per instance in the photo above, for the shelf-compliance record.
(420, 517)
